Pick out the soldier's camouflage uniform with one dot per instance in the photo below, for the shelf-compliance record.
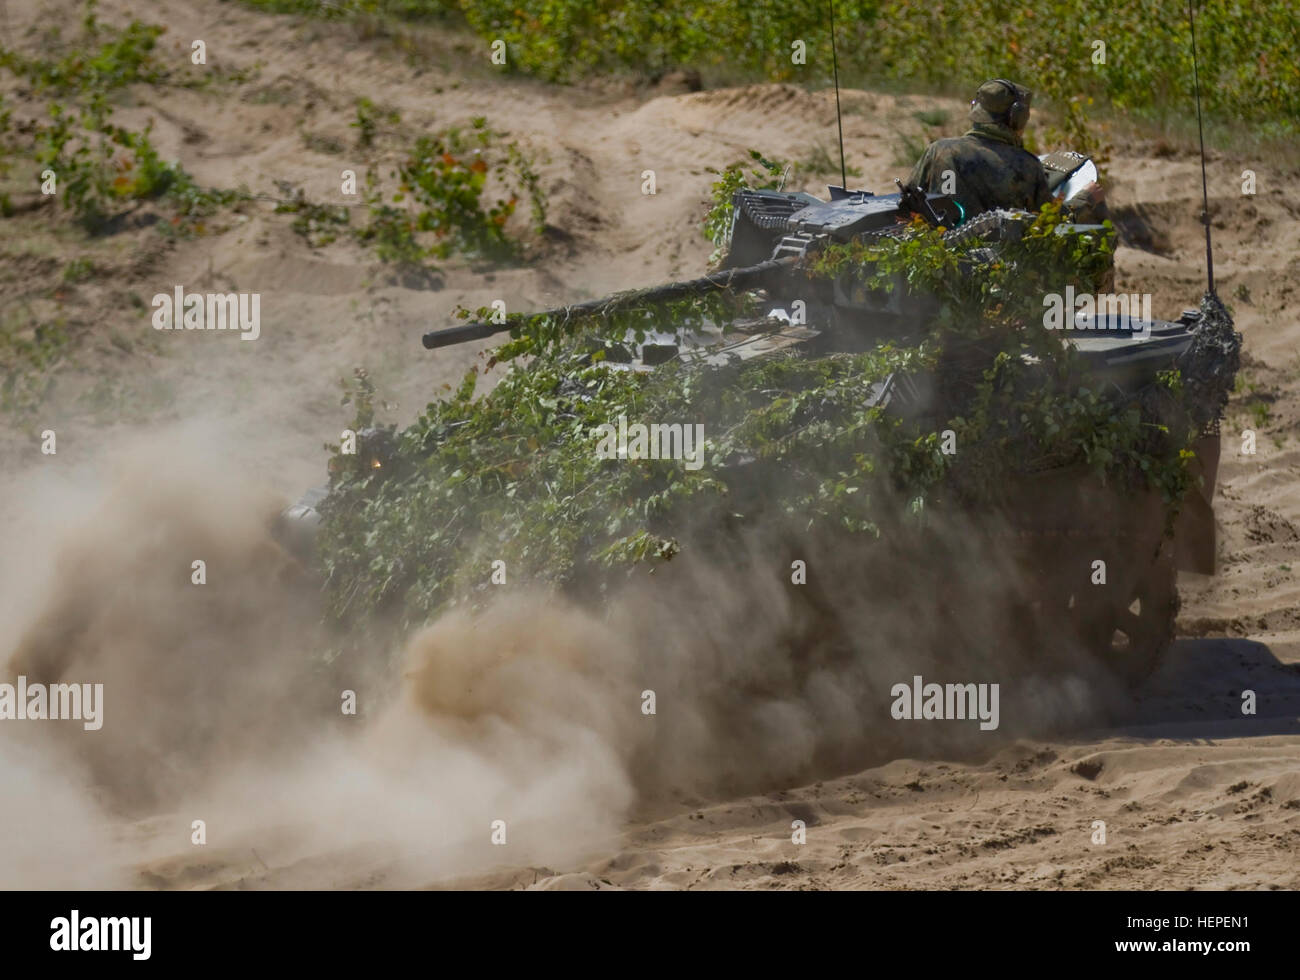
(991, 170)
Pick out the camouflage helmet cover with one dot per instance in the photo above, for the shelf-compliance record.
(1003, 102)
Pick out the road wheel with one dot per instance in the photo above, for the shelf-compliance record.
(1128, 624)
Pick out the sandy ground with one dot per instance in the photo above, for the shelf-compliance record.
(1193, 794)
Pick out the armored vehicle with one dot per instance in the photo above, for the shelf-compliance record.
(1060, 522)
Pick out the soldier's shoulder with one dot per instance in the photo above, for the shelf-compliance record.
(943, 149)
(949, 143)
(1026, 155)
(1019, 157)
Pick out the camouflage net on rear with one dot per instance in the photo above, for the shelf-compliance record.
(1209, 368)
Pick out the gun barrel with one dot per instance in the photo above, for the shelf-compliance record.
(738, 279)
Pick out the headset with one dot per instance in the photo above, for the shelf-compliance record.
(1018, 114)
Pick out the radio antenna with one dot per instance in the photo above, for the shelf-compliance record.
(839, 120)
(1205, 191)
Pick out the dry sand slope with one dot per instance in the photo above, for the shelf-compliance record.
(1192, 793)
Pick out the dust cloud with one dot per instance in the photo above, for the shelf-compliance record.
(220, 703)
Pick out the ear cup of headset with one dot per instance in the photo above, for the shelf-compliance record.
(1018, 114)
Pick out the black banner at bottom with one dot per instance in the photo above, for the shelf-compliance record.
(142, 930)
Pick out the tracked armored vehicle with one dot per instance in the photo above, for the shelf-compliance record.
(1059, 521)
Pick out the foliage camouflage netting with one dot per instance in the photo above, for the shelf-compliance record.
(514, 474)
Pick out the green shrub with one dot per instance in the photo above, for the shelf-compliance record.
(101, 167)
(1250, 53)
(29, 358)
(124, 60)
(319, 224)
(438, 207)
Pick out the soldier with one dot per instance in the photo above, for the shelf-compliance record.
(988, 167)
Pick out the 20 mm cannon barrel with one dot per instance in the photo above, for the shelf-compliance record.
(741, 279)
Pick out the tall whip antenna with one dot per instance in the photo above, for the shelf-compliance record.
(839, 120)
(1205, 191)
